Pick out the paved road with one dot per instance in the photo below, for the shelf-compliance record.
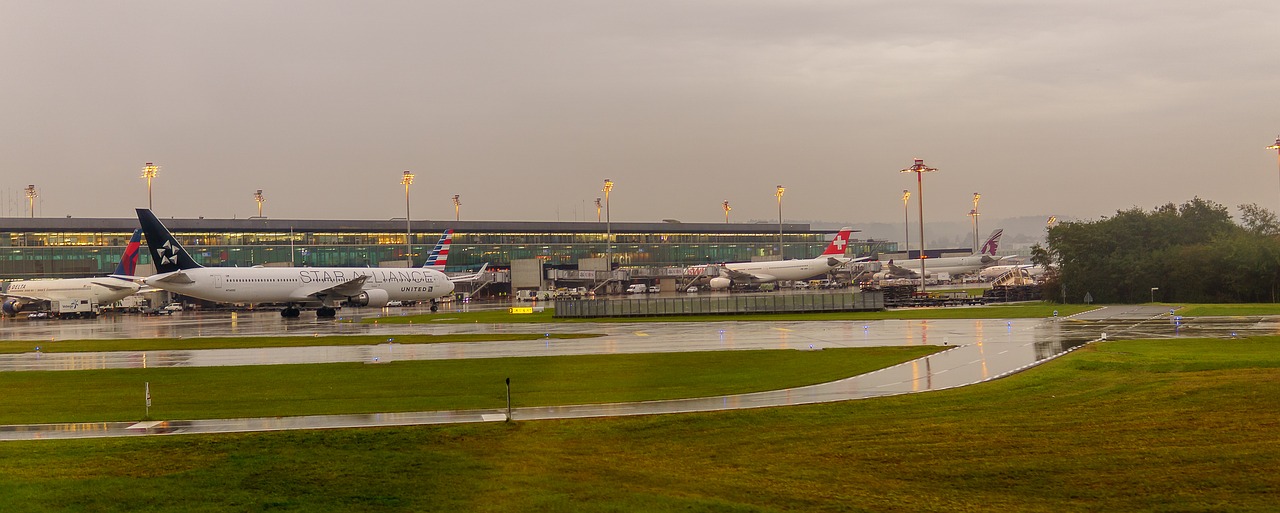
(983, 350)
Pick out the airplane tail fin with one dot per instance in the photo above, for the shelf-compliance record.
(128, 265)
(839, 243)
(993, 243)
(166, 252)
(439, 255)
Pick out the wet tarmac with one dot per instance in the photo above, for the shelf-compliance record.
(983, 350)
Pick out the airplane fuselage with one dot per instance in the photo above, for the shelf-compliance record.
(785, 269)
(63, 289)
(297, 284)
(949, 265)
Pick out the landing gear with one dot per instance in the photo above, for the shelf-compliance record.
(326, 312)
(290, 312)
(434, 306)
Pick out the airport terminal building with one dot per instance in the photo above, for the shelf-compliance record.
(45, 247)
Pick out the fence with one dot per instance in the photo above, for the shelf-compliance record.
(734, 304)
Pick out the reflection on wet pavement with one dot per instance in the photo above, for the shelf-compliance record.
(980, 350)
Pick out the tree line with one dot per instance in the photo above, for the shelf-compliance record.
(1194, 252)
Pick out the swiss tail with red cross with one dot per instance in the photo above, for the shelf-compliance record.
(838, 244)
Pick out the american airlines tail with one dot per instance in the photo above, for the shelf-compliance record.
(439, 255)
(839, 243)
(129, 261)
(166, 252)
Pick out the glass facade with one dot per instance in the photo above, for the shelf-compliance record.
(50, 253)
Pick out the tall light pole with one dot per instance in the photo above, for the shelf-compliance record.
(974, 214)
(257, 196)
(780, 190)
(407, 180)
(1276, 147)
(597, 210)
(727, 208)
(149, 171)
(608, 230)
(456, 203)
(920, 169)
(906, 225)
(31, 199)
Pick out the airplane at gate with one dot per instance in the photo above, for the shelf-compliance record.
(950, 265)
(800, 269)
(327, 286)
(76, 296)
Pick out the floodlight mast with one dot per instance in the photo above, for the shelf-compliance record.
(920, 169)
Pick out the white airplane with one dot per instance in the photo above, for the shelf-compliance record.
(293, 286)
(802, 269)
(950, 265)
(76, 296)
(996, 271)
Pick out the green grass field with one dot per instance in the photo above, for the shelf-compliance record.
(289, 390)
(165, 344)
(1169, 425)
(1229, 310)
(1022, 311)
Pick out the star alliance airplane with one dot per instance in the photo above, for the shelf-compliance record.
(294, 286)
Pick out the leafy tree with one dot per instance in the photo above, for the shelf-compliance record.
(1189, 252)
(1259, 220)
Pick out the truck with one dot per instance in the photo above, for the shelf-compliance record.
(637, 288)
(74, 308)
(534, 295)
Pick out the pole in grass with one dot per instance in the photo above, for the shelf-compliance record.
(508, 399)
(148, 390)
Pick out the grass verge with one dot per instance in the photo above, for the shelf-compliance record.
(1170, 425)
(1229, 310)
(288, 390)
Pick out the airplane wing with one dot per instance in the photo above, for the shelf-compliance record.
(900, 271)
(28, 298)
(315, 291)
(116, 285)
(175, 277)
(471, 276)
(743, 276)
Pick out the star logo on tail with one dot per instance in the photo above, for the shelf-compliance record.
(167, 254)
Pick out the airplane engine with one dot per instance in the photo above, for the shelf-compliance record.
(376, 298)
(12, 306)
(720, 283)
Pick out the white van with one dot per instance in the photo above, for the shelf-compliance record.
(637, 288)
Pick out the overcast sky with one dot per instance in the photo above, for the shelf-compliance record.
(1075, 108)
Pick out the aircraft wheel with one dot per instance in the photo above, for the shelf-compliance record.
(326, 312)
(434, 307)
(290, 313)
